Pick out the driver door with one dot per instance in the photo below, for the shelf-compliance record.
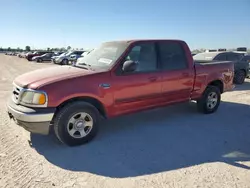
(140, 89)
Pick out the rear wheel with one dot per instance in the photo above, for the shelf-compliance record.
(210, 100)
(39, 60)
(239, 77)
(76, 123)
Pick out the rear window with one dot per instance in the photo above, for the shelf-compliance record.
(172, 56)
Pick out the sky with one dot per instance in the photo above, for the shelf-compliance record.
(87, 23)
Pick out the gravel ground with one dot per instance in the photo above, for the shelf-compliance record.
(168, 147)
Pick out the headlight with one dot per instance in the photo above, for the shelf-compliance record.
(33, 98)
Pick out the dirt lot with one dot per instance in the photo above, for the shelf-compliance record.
(170, 147)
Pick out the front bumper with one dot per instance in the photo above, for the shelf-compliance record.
(57, 61)
(34, 120)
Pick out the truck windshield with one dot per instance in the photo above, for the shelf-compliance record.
(104, 56)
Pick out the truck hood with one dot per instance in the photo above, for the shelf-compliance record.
(40, 77)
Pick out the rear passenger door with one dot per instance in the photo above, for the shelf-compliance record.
(177, 74)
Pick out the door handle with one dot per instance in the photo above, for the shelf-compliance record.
(152, 79)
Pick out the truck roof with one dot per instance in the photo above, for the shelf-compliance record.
(144, 40)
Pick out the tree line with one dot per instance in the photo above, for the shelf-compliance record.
(28, 48)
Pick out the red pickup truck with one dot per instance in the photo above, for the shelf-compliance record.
(116, 78)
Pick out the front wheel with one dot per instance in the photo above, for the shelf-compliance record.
(76, 123)
(210, 100)
(239, 77)
(65, 62)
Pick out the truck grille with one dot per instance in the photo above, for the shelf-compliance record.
(16, 93)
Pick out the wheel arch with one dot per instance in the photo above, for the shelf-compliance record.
(217, 83)
(95, 102)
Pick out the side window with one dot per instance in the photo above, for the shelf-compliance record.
(234, 57)
(145, 56)
(172, 56)
(221, 57)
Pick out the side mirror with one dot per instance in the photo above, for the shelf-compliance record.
(129, 66)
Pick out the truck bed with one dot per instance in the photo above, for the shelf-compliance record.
(206, 71)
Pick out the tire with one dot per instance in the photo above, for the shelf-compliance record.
(65, 62)
(239, 77)
(64, 129)
(39, 60)
(207, 106)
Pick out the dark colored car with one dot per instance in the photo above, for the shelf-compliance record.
(44, 57)
(247, 59)
(241, 67)
(37, 53)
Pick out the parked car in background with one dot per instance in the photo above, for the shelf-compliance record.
(75, 57)
(84, 54)
(12, 53)
(241, 67)
(22, 55)
(28, 53)
(37, 53)
(57, 55)
(247, 59)
(44, 57)
(117, 78)
(64, 59)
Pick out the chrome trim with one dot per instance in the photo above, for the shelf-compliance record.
(18, 90)
(30, 117)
